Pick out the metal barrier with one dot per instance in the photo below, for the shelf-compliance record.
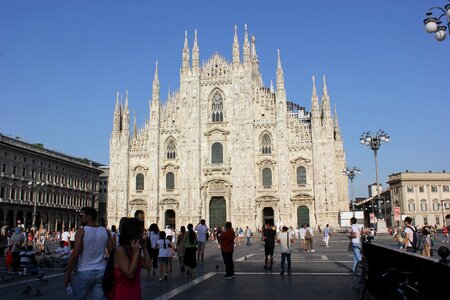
(429, 273)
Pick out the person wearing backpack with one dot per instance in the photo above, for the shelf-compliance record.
(410, 236)
(309, 238)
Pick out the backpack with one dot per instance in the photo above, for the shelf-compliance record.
(308, 234)
(108, 275)
(415, 241)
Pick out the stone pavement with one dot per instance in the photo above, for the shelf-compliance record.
(323, 274)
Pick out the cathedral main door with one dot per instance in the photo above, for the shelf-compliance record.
(217, 212)
(268, 216)
(169, 218)
(302, 216)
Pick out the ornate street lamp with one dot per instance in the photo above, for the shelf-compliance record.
(374, 142)
(351, 173)
(434, 25)
(37, 185)
(443, 214)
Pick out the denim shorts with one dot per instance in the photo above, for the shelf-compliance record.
(88, 282)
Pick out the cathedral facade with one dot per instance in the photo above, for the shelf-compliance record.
(226, 148)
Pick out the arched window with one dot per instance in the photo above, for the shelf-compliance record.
(217, 108)
(411, 205)
(301, 175)
(267, 178)
(170, 181)
(139, 182)
(423, 205)
(217, 153)
(266, 145)
(171, 150)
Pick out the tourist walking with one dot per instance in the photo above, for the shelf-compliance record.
(355, 239)
(129, 258)
(190, 249)
(248, 235)
(426, 242)
(445, 234)
(227, 248)
(285, 240)
(309, 239)
(301, 236)
(153, 237)
(180, 247)
(163, 246)
(202, 235)
(89, 254)
(17, 240)
(409, 232)
(269, 235)
(326, 235)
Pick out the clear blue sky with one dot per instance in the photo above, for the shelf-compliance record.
(61, 63)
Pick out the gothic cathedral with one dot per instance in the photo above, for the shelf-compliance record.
(226, 148)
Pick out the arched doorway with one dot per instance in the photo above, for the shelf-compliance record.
(302, 215)
(19, 218)
(10, 219)
(28, 219)
(169, 218)
(447, 220)
(217, 212)
(268, 216)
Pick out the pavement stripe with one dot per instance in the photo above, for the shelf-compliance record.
(184, 287)
(21, 282)
(312, 261)
(244, 257)
(295, 273)
(324, 257)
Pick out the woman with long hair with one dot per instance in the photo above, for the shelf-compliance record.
(163, 246)
(128, 261)
(153, 237)
(180, 247)
(190, 243)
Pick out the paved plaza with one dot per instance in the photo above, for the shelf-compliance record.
(323, 274)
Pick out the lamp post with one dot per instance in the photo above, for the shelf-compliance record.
(434, 25)
(374, 142)
(351, 173)
(37, 185)
(443, 214)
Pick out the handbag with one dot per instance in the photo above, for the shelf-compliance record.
(350, 246)
(288, 249)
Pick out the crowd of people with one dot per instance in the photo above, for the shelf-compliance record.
(94, 254)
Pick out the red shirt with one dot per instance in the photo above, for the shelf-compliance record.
(445, 230)
(227, 240)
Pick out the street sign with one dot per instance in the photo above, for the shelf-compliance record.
(397, 213)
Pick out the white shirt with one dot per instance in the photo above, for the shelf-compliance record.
(357, 231)
(163, 252)
(302, 232)
(283, 238)
(65, 236)
(410, 232)
(201, 232)
(95, 241)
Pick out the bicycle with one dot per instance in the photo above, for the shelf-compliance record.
(359, 278)
(405, 289)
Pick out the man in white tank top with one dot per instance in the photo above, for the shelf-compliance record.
(90, 244)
